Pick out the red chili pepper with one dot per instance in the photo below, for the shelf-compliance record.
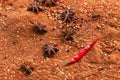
(82, 52)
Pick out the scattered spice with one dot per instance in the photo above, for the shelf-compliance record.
(95, 17)
(100, 68)
(82, 52)
(68, 15)
(49, 49)
(106, 51)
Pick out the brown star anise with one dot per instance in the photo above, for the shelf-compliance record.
(49, 2)
(67, 15)
(40, 28)
(26, 68)
(35, 7)
(49, 49)
(67, 35)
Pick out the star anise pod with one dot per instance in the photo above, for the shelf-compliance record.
(67, 35)
(49, 49)
(48, 2)
(35, 7)
(67, 15)
(40, 28)
(26, 68)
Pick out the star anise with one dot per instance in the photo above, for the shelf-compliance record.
(26, 68)
(40, 28)
(67, 15)
(35, 7)
(49, 2)
(67, 35)
(49, 49)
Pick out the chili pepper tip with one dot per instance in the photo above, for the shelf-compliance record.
(94, 42)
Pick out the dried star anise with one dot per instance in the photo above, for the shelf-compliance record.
(40, 28)
(26, 68)
(67, 15)
(49, 49)
(35, 7)
(67, 35)
(49, 2)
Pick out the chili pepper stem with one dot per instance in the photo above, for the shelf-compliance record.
(69, 63)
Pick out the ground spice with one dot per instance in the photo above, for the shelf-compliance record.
(82, 52)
